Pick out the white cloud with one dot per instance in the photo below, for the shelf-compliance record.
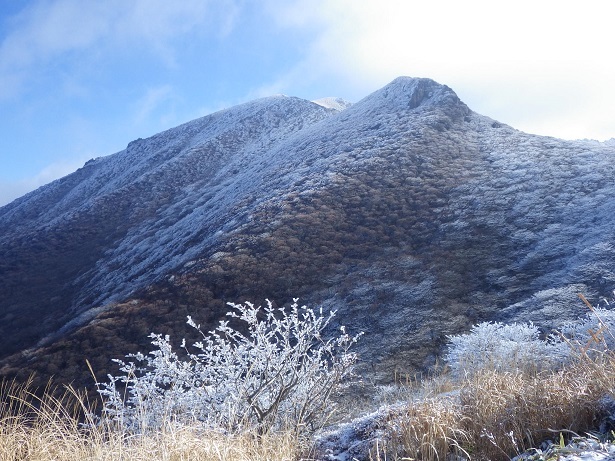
(514, 61)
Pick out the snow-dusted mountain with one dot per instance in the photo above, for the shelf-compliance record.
(409, 213)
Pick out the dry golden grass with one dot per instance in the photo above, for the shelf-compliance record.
(498, 415)
(508, 413)
(184, 445)
(429, 429)
(48, 428)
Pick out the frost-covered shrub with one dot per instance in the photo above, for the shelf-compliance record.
(496, 346)
(503, 347)
(279, 374)
(592, 334)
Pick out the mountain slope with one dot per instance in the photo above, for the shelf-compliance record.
(409, 213)
(101, 232)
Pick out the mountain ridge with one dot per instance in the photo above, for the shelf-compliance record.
(409, 213)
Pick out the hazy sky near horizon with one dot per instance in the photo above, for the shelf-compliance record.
(81, 78)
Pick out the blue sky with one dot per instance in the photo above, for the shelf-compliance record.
(82, 78)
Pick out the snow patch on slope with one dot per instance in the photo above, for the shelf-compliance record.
(337, 104)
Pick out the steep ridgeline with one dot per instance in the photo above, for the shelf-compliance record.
(409, 213)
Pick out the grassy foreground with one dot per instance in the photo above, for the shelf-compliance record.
(486, 415)
(491, 415)
(49, 428)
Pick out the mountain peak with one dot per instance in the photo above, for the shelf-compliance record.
(408, 93)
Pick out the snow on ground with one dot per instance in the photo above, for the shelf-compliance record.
(580, 449)
(338, 104)
(355, 439)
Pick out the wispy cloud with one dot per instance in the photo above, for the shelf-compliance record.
(11, 190)
(151, 102)
(47, 30)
